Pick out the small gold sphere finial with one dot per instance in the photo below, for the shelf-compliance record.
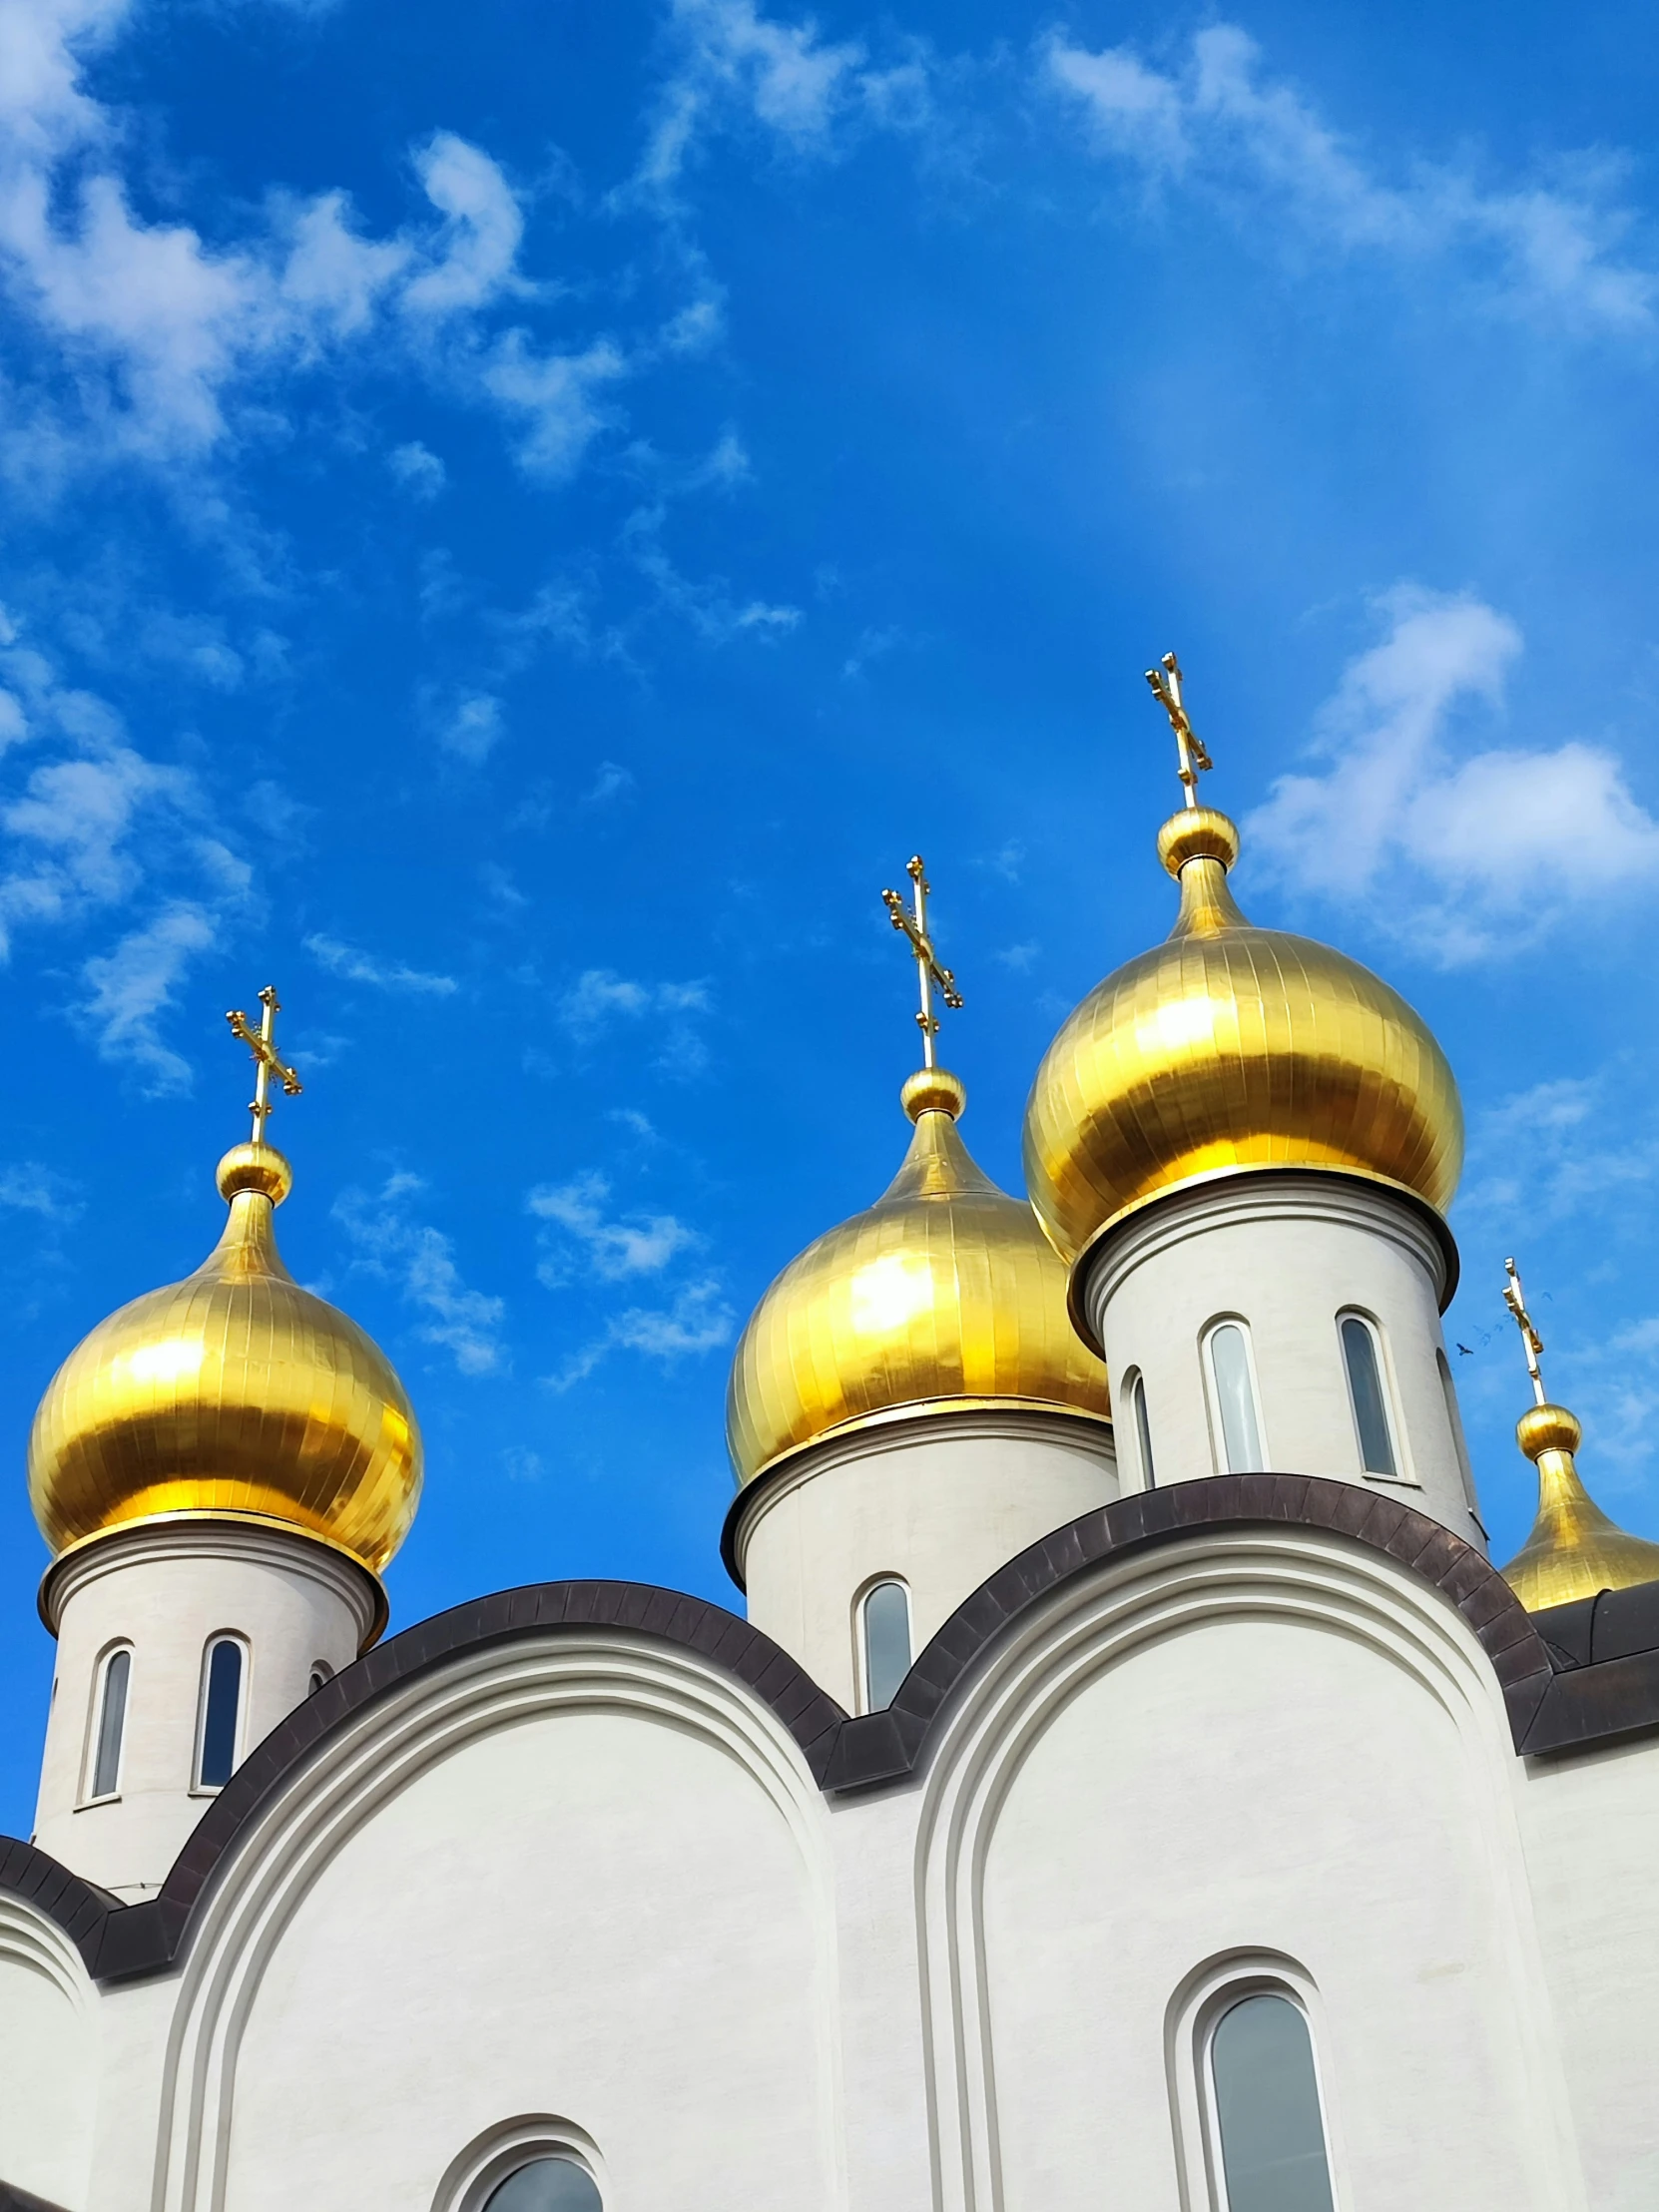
(255, 1167)
(1547, 1428)
(933, 1091)
(1196, 833)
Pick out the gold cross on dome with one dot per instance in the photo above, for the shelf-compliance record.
(1515, 1298)
(913, 922)
(1166, 686)
(260, 1044)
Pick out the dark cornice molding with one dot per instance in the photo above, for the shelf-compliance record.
(1572, 1679)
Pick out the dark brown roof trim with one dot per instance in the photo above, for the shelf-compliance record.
(13, 2199)
(1568, 1683)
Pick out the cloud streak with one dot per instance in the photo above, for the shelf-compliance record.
(1220, 124)
(1461, 850)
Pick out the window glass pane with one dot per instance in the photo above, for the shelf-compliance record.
(886, 1642)
(546, 2185)
(1235, 1399)
(1268, 2109)
(1143, 1434)
(219, 1723)
(1371, 1411)
(112, 1720)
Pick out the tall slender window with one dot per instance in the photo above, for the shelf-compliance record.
(1267, 2102)
(546, 2185)
(886, 1642)
(1143, 1432)
(220, 1711)
(1234, 1394)
(320, 1672)
(1370, 1405)
(112, 1723)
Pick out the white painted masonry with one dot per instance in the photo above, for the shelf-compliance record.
(939, 1499)
(165, 1590)
(1288, 1252)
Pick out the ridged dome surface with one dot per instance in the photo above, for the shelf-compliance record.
(945, 1292)
(1228, 1047)
(233, 1392)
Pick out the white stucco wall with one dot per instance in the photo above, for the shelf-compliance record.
(1592, 1828)
(167, 1589)
(1288, 1253)
(48, 2059)
(570, 1879)
(940, 1500)
(588, 1877)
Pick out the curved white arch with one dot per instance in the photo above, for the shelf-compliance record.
(251, 1898)
(1085, 1630)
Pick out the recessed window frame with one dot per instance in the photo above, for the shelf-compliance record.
(320, 1676)
(1460, 1441)
(1140, 1423)
(200, 1784)
(505, 2149)
(91, 1762)
(861, 1638)
(1387, 1389)
(1195, 2011)
(1213, 1394)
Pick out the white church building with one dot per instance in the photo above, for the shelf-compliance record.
(1144, 1802)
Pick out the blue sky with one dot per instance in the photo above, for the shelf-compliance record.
(520, 521)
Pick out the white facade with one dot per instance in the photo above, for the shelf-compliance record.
(581, 1890)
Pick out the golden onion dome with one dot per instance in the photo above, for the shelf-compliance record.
(1574, 1550)
(942, 1295)
(234, 1394)
(1230, 1047)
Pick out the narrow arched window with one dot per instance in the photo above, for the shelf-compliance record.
(885, 1623)
(1362, 1356)
(112, 1723)
(1143, 1432)
(546, 2185)
(1232, 1387)
(1266, 2107)
(216, 1757)
(321, 1672)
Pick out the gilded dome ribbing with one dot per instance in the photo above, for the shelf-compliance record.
(235, 1392)
(944, 1292)
(1232, 1047)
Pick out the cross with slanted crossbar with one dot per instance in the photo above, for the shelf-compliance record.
(1515, 1298)
(913, 925)
(259, 1043)
(1165, 686)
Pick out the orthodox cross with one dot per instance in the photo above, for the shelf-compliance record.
(1166, 686)
(260, 1044)
(1515, 1298)
(913, 922)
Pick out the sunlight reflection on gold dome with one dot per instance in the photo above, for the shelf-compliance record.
(944, 1292)
(1232, 1047)
(233, 1392)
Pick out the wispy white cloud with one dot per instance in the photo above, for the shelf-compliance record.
(162, 334)
(469, 726)
(388, 1242)
(735, 58)
(599, 998)
(357, 967)
(1223, 125)
(610, 782)
(417, 469)
(610, 1247)
(707, 606)
(1465, 851)
(698, 1320)
(130, 986)
(28, 1188)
